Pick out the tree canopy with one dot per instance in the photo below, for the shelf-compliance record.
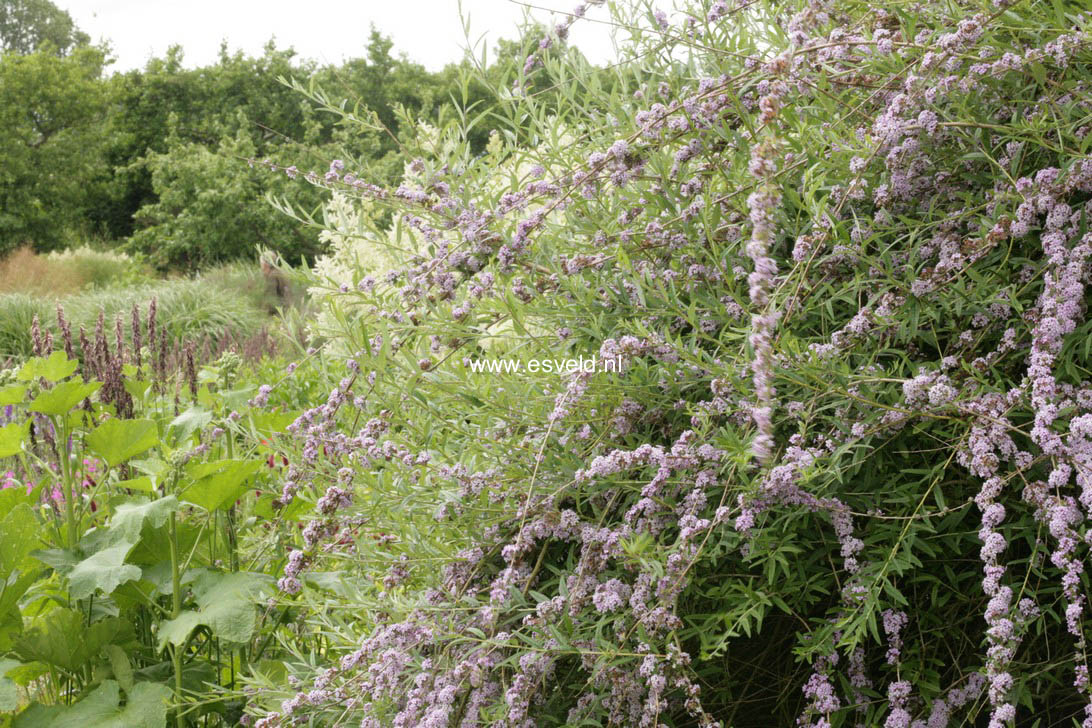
(27, 26)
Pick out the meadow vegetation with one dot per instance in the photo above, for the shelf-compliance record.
(232, 300)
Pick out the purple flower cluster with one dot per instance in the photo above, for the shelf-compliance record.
(894, 324)
(762, 204)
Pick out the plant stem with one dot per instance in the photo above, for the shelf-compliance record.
(272, 631)
(176, 610)
(66, 483)
(233, 549)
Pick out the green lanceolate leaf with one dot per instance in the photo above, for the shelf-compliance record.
(115, 441)
(63, 397)
(225, 606)
(55, 368)
(12, 437)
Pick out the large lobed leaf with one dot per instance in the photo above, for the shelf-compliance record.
(225, 606)
(145, 707)
(115, 441)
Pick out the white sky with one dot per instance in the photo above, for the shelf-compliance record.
(329, 31)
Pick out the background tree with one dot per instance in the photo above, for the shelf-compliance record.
(160, 160)
(29, 25)
(51, 111)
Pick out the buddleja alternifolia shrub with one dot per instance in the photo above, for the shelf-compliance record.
(843, 476)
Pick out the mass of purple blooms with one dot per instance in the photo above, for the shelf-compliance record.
(843, 475)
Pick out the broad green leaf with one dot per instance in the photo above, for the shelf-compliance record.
(225, 606)
(119, 663)
(189, 422)
(11, 626)
(95, 709)
(25, 674)
(1038, 72)
(175, 631)
(102, 571)
(263, 507)
(12, 394)
(143, 483)
(12, 437)
(60, 560)
(268, 423)
(128, 518)
(38, 716)
(62, 638)
(220, 483)
(236, 399)
(12, 497)
(146, 707)
(55, 368)
(159, 576)
(136, 388)
(18, 537)
(14, 587)
(115, 441)
(152, 467)
(9, 692)
(196, 675)
(63, 397)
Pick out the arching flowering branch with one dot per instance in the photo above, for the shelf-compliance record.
(899, 187)
(762, 204)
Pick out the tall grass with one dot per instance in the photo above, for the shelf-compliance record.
(187, 309)
(17, 312)
(247, 280)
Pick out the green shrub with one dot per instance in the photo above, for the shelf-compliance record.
(98, 268)
(62, 273)
(842, 473)
(51, 141)
(211, 208)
